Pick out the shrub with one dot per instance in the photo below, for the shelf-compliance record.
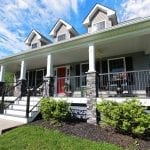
(52, 109)
(129, 116)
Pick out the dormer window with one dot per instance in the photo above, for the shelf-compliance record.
(100, 18)
(36, 40)
(61, 37)
(99, 26)
(34, 45)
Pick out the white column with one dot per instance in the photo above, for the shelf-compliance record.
(49, 66)
(91, 58)
(23, 70)
(2, 73)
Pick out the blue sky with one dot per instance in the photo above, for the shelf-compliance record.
(19, 17)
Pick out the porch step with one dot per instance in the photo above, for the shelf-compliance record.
(14, 112)
(31, 98)
(22, 102)
(19, 107)
(14, 118)
(17, 110)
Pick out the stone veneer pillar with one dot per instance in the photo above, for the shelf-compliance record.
(91, 98)
(91, 87)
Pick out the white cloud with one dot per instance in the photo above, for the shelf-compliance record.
(19, 17)
(134, 8)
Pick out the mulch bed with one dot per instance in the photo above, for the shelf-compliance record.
(97, 133)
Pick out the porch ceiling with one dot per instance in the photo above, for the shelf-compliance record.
(124, 46)
(59, 58)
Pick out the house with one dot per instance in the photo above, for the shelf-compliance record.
(111, 60)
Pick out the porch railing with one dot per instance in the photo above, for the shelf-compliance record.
(70, 86)
(129, 83)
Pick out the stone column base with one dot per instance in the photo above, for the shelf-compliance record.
(91, 98)
(91, 111)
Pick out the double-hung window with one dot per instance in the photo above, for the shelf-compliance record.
(34, 45)
(61, 37)
(99, 26)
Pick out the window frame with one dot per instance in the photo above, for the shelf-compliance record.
(60, 37)
(124, 63)
(95, 29)
(34, 46)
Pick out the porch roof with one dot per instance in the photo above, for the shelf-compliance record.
(111, 37)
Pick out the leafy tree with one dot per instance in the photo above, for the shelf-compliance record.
(9, 78)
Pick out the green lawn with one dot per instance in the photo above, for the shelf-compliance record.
(37, 138)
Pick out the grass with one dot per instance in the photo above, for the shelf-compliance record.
(32, 137)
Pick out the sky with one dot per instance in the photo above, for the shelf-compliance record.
(19, 17)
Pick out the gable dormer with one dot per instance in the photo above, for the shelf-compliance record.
(36, 39)
(62, 31)
(100, 18)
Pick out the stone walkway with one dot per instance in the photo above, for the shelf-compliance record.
(8, 124)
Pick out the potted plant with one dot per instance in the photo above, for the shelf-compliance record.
(67, 89)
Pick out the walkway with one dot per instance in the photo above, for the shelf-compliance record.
(7, 124)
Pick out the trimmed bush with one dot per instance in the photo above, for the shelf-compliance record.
(129, 116)
(52, 109)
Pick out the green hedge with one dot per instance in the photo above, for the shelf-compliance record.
(52, 109)
(129, 116)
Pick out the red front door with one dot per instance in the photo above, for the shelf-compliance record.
(61, 74)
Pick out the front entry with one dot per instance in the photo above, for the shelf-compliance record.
(61, 77)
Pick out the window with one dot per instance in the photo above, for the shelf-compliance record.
(61, 37)
(117, 65)
(99, 26)
(34, 45)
